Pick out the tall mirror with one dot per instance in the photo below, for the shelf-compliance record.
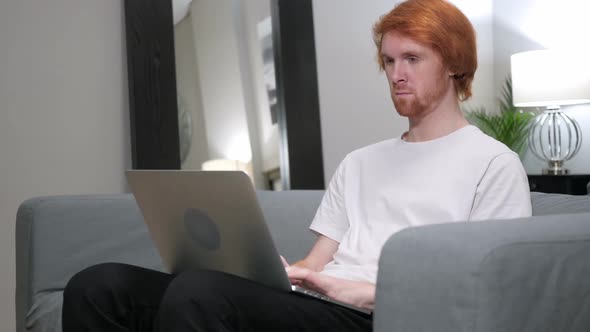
(225, 70)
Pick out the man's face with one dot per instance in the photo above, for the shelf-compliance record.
(418, 80)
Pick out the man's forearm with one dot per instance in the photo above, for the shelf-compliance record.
(320, 254)
(307, 264)
(358, 293)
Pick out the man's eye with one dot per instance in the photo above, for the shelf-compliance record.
(412, 59)
(388, 61)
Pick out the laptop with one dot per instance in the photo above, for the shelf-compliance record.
(212, 220)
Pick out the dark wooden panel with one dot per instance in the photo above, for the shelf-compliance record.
(298, 110)
(152, 84)
(560, 184)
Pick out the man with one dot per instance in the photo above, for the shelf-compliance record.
(440, 170)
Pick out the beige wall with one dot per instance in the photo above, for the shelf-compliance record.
(222, 93)
(64, 124)
(189, 93)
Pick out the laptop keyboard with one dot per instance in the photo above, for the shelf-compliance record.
(313, 294)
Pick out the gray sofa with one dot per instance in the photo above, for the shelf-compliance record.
(525, 275)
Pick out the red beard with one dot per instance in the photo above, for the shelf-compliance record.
(415, 104)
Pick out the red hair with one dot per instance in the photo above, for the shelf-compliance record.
(441, 26)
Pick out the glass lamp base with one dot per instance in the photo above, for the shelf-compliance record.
(555, 168)
(555, 137)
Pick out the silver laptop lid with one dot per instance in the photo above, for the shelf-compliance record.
(209, 220)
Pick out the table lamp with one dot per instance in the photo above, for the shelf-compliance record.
(550, 79)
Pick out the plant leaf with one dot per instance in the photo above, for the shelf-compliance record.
(510, 126)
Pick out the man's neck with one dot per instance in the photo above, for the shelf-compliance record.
(445, 119)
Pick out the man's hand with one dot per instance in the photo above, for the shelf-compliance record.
(358, 293)
(306, 273)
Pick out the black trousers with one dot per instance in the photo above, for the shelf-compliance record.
(117, 297)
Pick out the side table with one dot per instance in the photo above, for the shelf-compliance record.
(561, 184)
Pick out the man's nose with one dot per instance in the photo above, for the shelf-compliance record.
(398, 74)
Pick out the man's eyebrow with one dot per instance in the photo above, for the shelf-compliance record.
(410, 53)
(403, 55)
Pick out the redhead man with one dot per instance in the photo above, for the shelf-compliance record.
(440, 170)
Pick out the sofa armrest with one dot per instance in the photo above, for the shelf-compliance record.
(58, 236)
(530, 274)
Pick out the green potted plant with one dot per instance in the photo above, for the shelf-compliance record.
(510, 126)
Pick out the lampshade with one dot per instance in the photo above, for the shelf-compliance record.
(550, 78)
(180, 9)
(227, 165)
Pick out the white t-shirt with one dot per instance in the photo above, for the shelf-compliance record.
(385, 187)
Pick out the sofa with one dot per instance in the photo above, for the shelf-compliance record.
(530, 274)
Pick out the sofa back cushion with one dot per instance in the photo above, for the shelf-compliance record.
(288, 215)
(546, 204)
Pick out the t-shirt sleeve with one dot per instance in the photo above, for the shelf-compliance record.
(331, 219)
(503, 192)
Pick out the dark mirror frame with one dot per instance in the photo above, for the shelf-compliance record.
(153, 97)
